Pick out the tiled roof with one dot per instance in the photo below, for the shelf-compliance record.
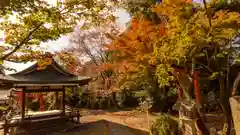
(51, 74)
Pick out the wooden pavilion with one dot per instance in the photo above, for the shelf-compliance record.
(51, 79)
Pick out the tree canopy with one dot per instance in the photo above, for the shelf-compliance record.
(37, 22)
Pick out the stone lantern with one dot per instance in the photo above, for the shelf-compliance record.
(187, 116)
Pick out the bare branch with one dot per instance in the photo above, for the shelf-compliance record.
(207, 12)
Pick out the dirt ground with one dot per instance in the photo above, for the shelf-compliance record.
(98, 122)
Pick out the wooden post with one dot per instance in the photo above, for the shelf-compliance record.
(197, 90)
(41, 102)
(56, 102)
(5, 127)
(26, 100)
(78, 117)
(23, 104)
(72, 103)
(180, 93)
(63, 100)
(20, 97)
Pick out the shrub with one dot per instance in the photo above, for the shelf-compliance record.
(165, 125)
(129, 99)
(103, 103)
(35, 105)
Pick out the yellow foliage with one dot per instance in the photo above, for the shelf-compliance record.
(43, 63)
(184, 35)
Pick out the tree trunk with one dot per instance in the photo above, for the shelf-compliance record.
(187, 85)
(109, 102)
(201, 125)
(93, 103)
(114, 100)
(224, 101)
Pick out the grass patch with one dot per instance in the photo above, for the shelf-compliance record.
(165, 125)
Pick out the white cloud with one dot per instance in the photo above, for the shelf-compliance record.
(56, 46)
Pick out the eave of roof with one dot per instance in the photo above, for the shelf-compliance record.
(53, 74)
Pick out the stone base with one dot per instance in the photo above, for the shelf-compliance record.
(189, 126)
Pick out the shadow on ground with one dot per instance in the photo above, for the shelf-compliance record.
(103, 127)
(85, 112)
(100, 127)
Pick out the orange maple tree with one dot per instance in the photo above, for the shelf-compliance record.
(135, 46)
(133, 50)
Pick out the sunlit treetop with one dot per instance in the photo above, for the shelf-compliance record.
(136, 44)
(20, 6)
(189, 30)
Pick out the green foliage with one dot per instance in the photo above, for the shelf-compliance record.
(134, 81)
(34, 105)
(193, 36)
(188, 36)
(136, 8)
(102, 103)
(164, 78)
(172, 92)
(3, 108)
(73, 96)
(20, 6)
(128, 99)
(165, 125)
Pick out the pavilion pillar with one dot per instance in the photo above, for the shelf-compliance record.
(23, 104)
(63, 100)
(20, 97)
(41, 102)
(56, 100)
(26, 101)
